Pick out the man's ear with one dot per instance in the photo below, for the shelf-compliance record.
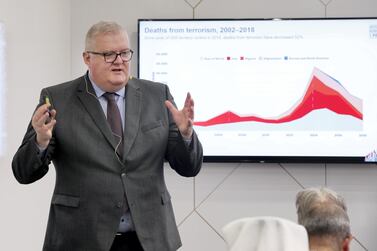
(346, 243)
(86, 57)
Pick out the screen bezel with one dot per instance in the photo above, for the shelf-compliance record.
(265, 158)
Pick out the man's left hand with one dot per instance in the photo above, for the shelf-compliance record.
(183, 118)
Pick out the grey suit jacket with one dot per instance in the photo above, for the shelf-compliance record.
(91, 180)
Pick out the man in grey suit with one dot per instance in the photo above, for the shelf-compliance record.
(110, 192)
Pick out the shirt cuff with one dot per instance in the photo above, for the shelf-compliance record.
(187, 141)
(42, 150)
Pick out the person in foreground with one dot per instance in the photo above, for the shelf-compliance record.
(107, 135)
(265, 233)
(324, 215)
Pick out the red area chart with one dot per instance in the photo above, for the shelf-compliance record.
(323, 92)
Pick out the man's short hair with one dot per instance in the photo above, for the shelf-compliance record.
(100, 28)
(323, 213)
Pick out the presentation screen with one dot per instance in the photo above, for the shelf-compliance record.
(271, 90)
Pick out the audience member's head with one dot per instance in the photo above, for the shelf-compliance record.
(265, 234)
(324, 215)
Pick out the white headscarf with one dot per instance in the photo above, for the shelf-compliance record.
(265, 234)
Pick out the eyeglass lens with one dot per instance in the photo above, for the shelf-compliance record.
(125, 56)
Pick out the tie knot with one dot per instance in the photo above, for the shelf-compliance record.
(109, 96)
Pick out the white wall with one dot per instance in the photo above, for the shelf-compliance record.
(45, 39)
(38, 53)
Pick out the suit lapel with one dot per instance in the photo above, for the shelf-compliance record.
(133, 112)
(88, 98)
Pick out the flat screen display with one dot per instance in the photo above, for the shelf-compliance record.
(271, 90)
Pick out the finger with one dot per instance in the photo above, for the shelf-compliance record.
(41, 121)
(189, 105)
(50, 118)
(51, 125)
(40, 112)
(170, 106)
(42, 109)
(52, 113)
(188, 101)
(192, 101)
(47, 117)
(190, 115)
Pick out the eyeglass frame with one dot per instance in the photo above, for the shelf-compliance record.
(108, 53)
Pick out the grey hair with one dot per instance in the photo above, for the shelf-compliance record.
(101, 28)
(323, 213)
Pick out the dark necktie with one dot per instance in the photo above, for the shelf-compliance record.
(115, 121)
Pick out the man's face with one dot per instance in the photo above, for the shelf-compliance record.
(110, 77)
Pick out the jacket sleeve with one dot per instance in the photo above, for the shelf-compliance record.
(186, 160)
(28, 164)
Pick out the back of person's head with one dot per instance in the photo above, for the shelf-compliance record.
(265, 234)
(324, 215)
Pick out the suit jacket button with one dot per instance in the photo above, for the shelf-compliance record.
(119, 204)
(123, 174)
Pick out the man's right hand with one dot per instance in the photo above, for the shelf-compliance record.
(43, 122)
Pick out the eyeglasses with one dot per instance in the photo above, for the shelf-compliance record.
(111, 56)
